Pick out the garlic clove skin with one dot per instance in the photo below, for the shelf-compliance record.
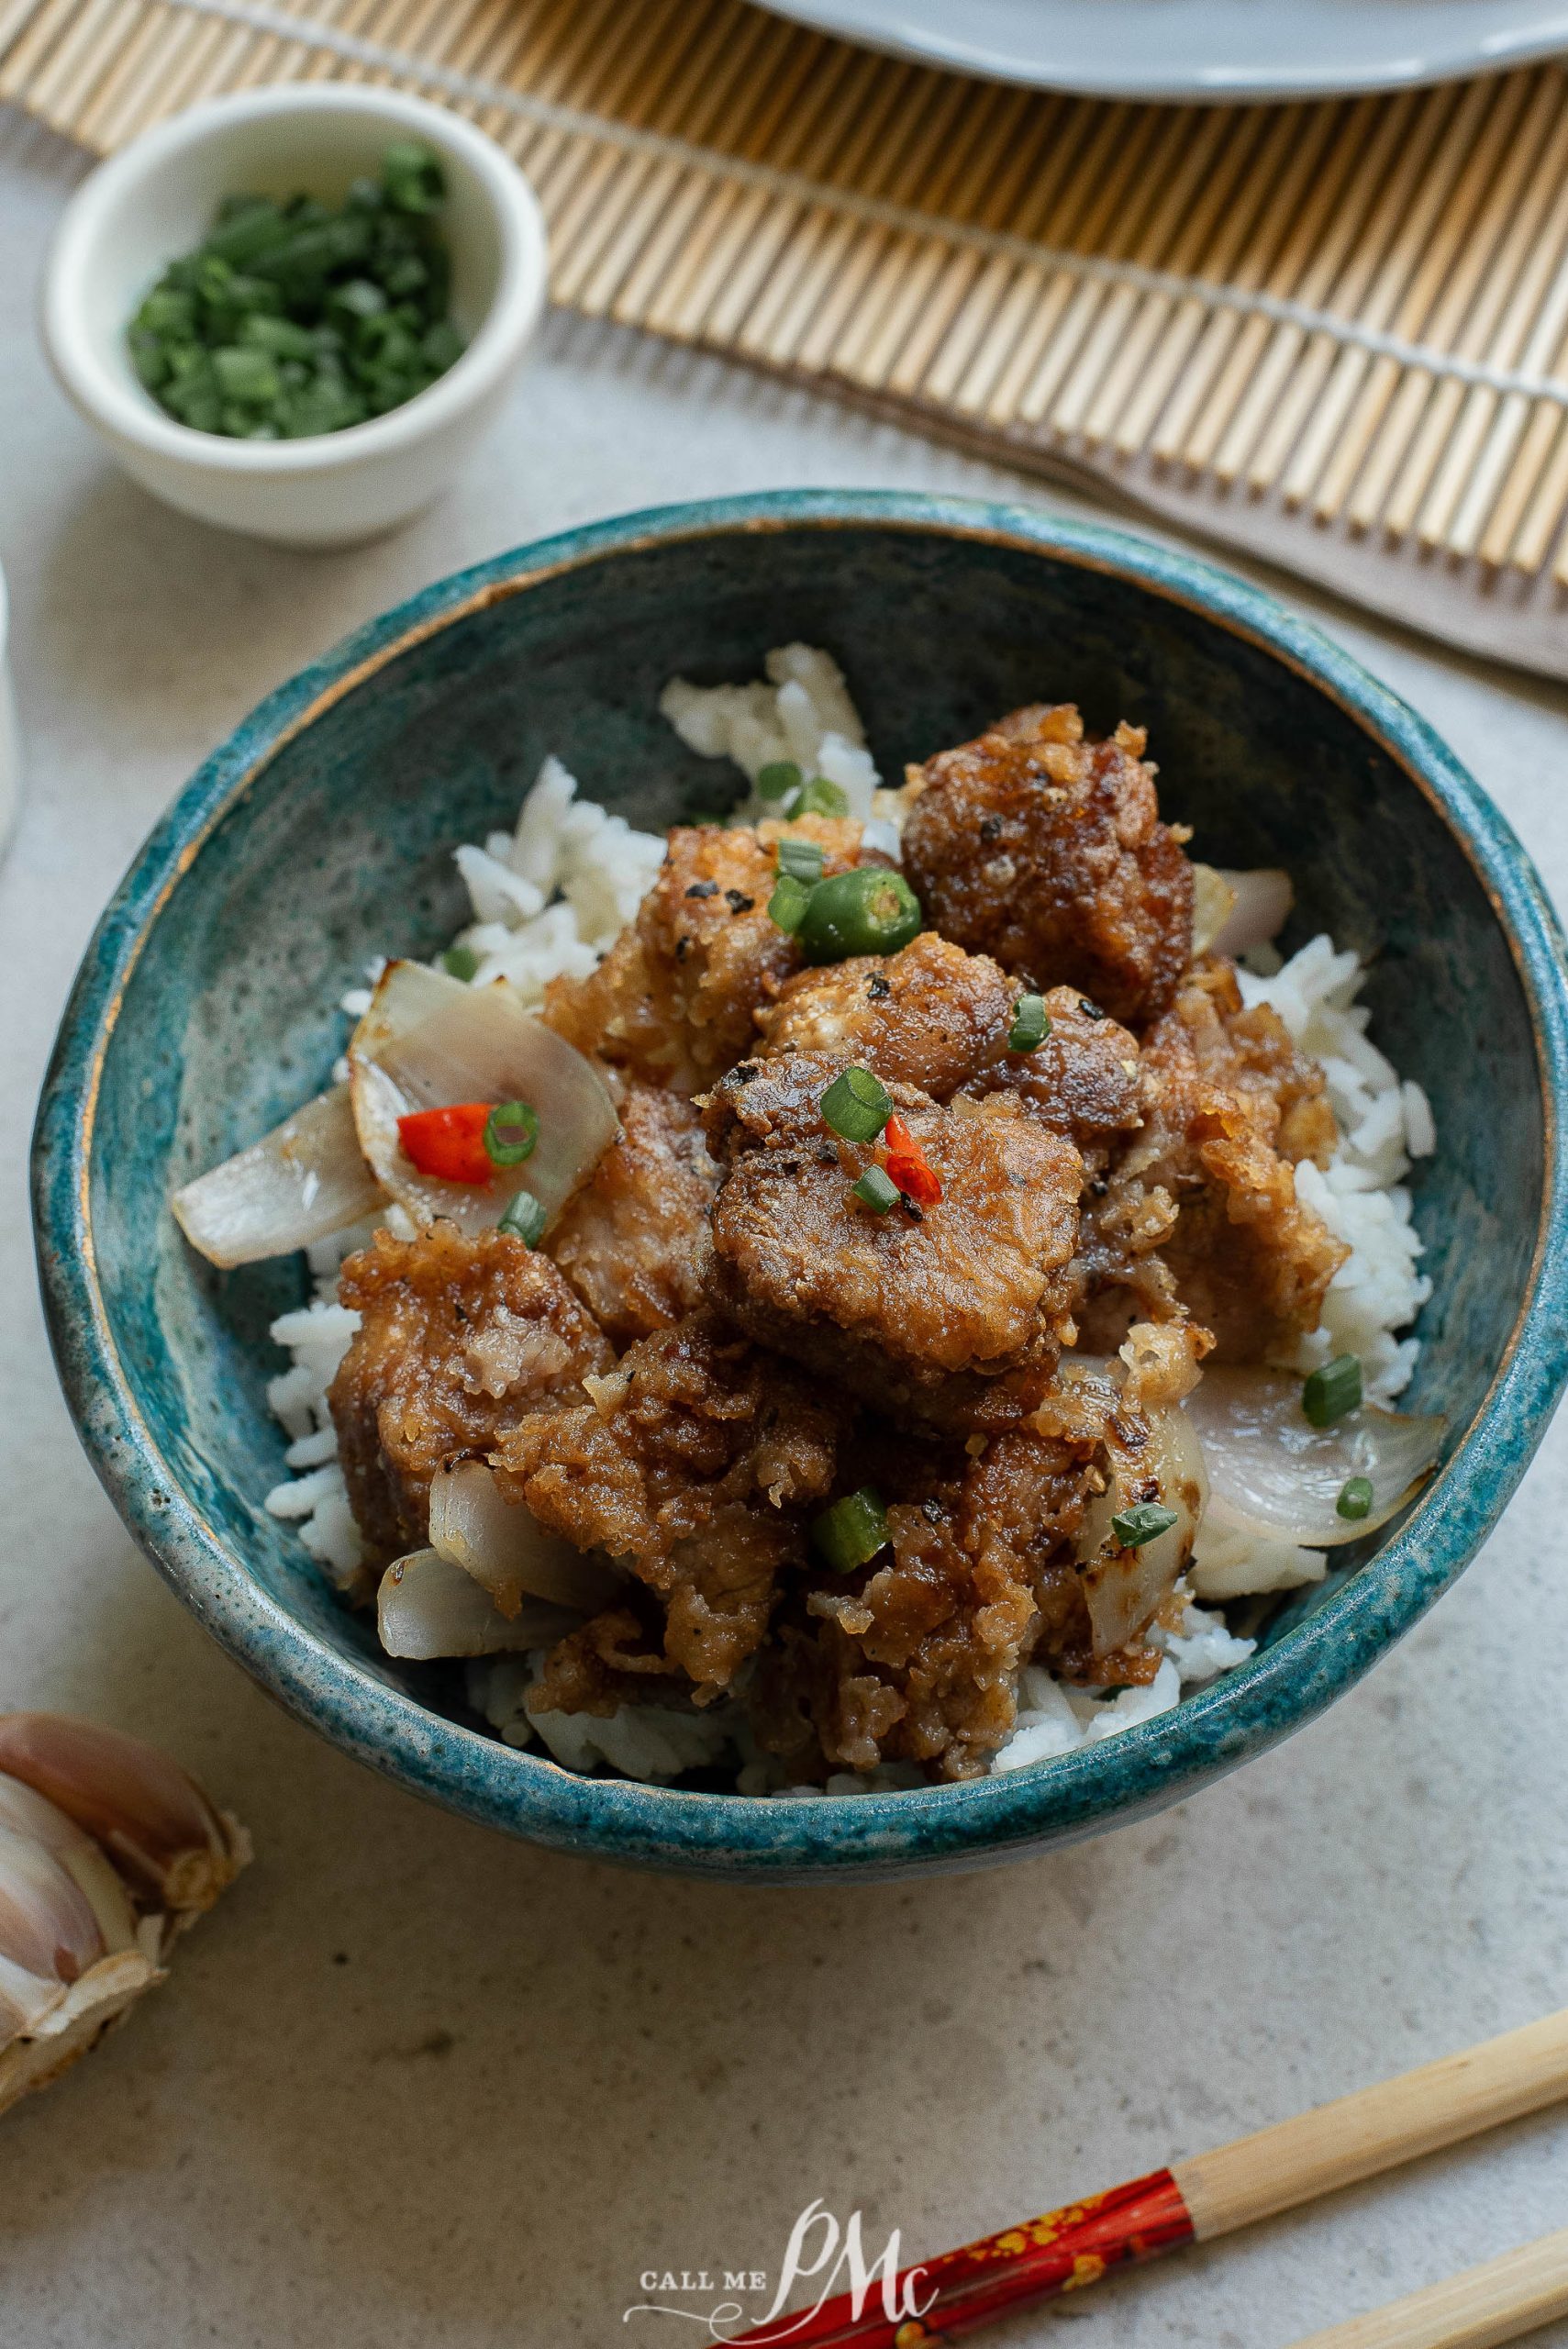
(175, 1850)
(24, 1812)
(48, 1929)
(35, 2050)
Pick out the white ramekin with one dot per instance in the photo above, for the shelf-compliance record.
(156, 200)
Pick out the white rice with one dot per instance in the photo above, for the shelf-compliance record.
(548, 898)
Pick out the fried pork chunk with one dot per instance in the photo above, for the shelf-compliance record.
(930, 1015)
(633, 1240)
(1210, 1181)
(693, 1463)
(674, 999)
(1045, 850)
(956, 1313)
(919, 1661)
(1084, 1081)
(458, 1339)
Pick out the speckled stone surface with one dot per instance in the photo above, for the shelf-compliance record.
(415, 2084)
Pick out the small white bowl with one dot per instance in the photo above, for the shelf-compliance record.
(156, 200)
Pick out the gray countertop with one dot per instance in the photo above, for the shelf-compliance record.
(415, 2084)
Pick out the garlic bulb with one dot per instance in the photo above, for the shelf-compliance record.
(106, 1852)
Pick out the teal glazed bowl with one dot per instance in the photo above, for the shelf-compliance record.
(321, 833)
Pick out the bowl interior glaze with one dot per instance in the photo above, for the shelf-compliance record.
(322, 835)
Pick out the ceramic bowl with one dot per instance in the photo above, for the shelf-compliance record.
(156, 199)
(322, 833)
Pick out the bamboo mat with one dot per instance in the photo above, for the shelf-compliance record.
(1333, 335)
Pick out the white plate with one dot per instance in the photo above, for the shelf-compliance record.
(1216, 50)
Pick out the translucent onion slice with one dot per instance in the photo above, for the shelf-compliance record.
(427, 1608)
(1272, 1473)
(167, 1841)
(1214, 902)
(1125, 1589)
(299, 1183)
(1261, 907)
(428, 1042)
(506, 1550)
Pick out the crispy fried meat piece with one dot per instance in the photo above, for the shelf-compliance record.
(632, 1241)
(674, 999)
(1084, 1081)
(930, 1015)
(1210, 1182)
(955, 1312)
(694, 1462)
(1045, 851)
(458, 1339)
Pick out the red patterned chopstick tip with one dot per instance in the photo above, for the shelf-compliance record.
(961, 2290)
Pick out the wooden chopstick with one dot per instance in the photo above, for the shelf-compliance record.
(1211, 2194)
(1475, 2310)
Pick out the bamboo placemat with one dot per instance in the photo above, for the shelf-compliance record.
(1336, 335)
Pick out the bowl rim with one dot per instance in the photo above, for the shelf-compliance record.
(1116, 1780)
(118, 406)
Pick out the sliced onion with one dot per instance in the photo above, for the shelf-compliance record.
(1262, 903)
(299, 1183)
(506, 1550)
(428, 1042)
(1125, 1589)
(427, 1606)
(1273, 1473)
(1214, 902)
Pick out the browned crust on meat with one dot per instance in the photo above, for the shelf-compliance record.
(694, 1463)
(459, 1337)
(632, 1241)
(930, 1315)
(1045, 850)
(930, 1015)
(675, 1001)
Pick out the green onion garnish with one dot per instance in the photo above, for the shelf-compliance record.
(778, 779)
(786, 906)
(1030, 1025)
(1145, 1521)
(868, 910)
(461, 960)
(511, 1132)
(876, 1189)
(1332, 1391)
(857, 1105)
(1355, 1498)
(851, 1533)
(524, 1218)
(802, 859)
(820, 798)
(292, 318)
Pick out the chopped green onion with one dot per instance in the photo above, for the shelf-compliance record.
(1030, 1025)
(1332, 1391)
(820, 798)
(1355, 1498)
(867, 910)
(786, 906)
(778, 779)
(1145, 1521)
(461, 960)
(802, 859)
(857, 1105)
(851, 1533)
(524, 1218)
(294, 318)
(511, 1132)
(876, 1189)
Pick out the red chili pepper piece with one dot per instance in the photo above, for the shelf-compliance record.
(909, 1166)
(449, 1144)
